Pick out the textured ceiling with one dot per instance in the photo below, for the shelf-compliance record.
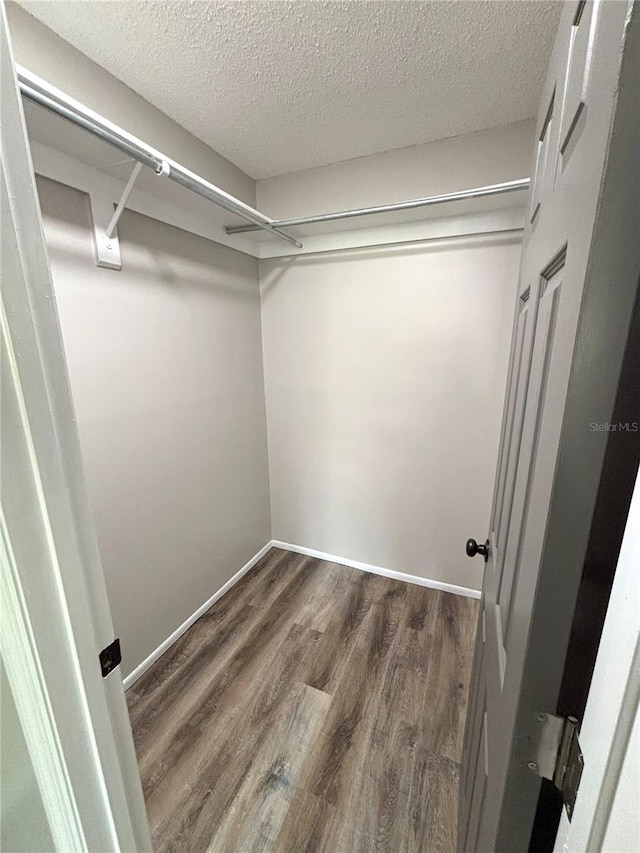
(281, 85)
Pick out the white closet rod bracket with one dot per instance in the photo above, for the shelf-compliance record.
(107, 247)
(105, 220)
(124, 198)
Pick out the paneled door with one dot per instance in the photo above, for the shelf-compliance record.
(573, 138)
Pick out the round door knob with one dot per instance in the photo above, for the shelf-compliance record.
(472, 548)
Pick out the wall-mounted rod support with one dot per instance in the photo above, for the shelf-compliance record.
(124, 198)
(412, 204)
(47, 96)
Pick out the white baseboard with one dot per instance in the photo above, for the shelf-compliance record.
(298, 549)
(378, 570)
(162, 648)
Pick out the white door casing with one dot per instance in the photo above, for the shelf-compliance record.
(607, 812)
(56, 615)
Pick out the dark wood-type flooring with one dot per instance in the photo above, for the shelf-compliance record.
(313, 708)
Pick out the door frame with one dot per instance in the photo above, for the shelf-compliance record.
(56, 615)
(594, 478)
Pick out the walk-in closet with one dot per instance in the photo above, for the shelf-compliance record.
(305, 387)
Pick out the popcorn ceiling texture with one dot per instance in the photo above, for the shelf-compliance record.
(281, 85)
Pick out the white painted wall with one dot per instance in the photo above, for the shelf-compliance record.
(601, 823)
(385, 367)
(449, 165)
(165, 364)
(384, 374)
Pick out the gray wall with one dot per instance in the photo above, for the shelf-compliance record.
(166, 369)
(385, 368)
(385, 372)
(447, 165)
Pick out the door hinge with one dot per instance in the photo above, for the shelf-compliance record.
(110, 657)
(559, 757)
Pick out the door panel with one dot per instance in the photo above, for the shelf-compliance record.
(584, 71)
(522, 364)
(480, 776)
(583, 32)
(543, 161)
(517, 383)
(546, 324)
(478, 696)
(499, 537)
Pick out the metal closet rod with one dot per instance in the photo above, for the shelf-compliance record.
(42, 93)
(412, 204)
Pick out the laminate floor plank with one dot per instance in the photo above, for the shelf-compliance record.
(183, 660)
(242, 646)
(330, 586)
(172, 698)
(259, 654)
(255, 818)
(308, 825)
(329, 771)
(313, 709)
(448, 677)
(185, 812)
(371, 735)
(334, 653)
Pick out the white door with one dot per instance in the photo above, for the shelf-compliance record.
(573, 135)
(55, 614)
